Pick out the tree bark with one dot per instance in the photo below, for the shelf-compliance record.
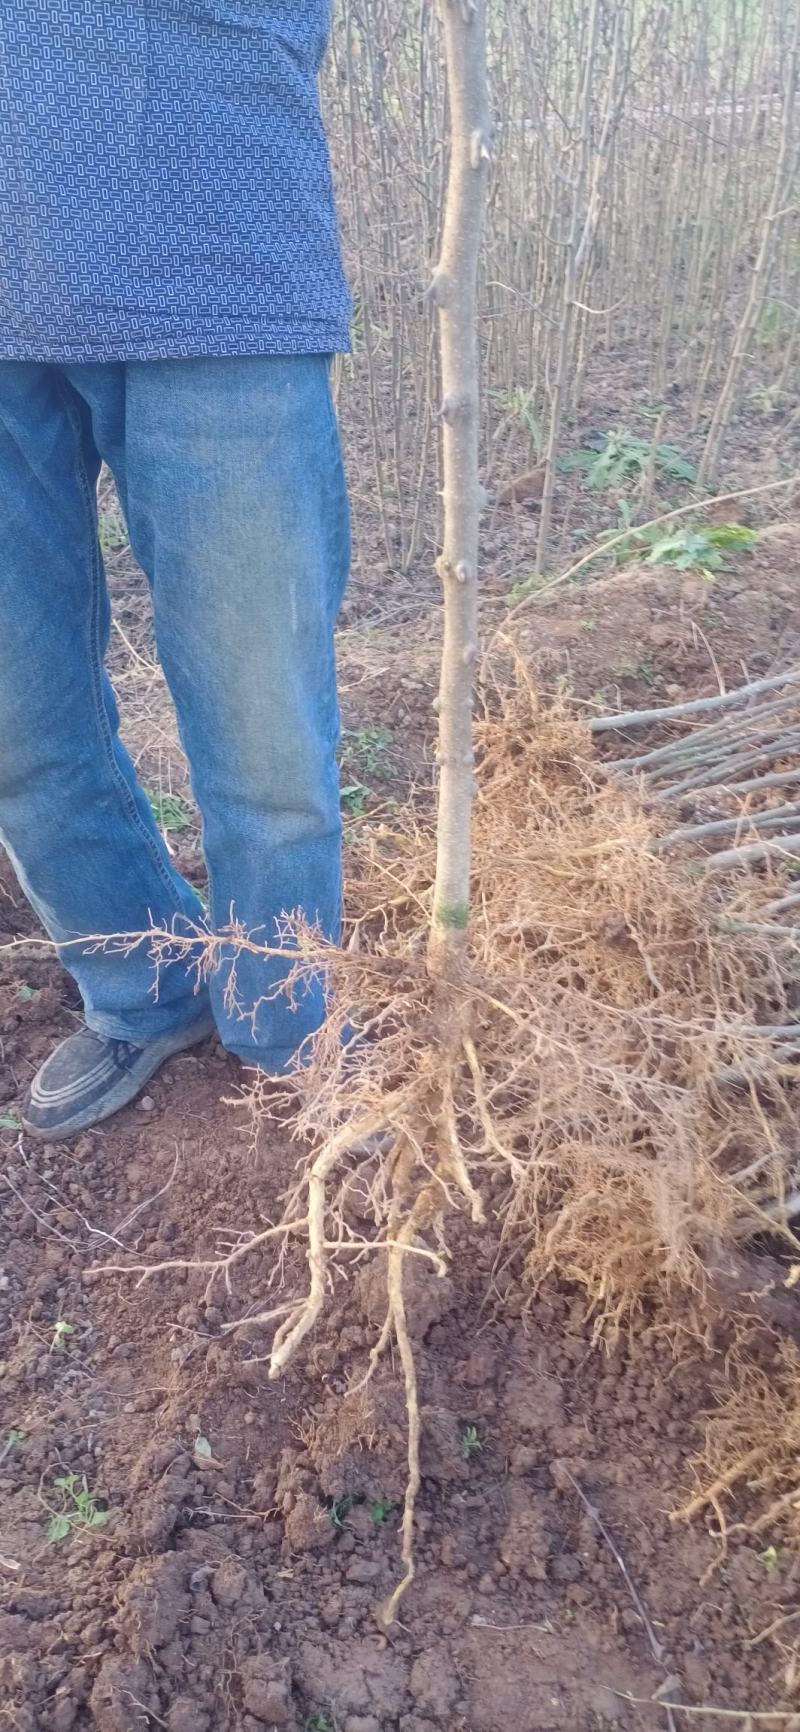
(454, 292)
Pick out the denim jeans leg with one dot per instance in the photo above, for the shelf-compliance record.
(237, 511)
(79, 830)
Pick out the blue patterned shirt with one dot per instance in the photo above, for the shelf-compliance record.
(164, 181)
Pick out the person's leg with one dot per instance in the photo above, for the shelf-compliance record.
(78, 828)
(237, 511)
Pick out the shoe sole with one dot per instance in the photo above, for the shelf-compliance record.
(124, 1092)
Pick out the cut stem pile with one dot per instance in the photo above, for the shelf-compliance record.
(725, 771)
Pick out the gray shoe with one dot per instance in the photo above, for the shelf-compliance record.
(89, 1077)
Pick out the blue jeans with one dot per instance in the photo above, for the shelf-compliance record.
(230, 476)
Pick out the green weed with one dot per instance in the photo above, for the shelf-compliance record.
(471, 1443)
(9, 1122)
(75, 1509)
(381, 1509)
(169, 811)
(524, 586)
(701, 550)
(354, 799)
(518, 406)
(112, 532)
(339, 1509)
(62, 1330)
(11, 1441)
(624, 459)
(690, 548)
(643, 670)
(368, 751)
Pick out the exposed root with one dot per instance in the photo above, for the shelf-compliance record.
(603, 1088)
(397, 1313)
(451, 1155)
(216, 1266)
(745, 1717)
(297, 1326)
(711, 1494)
(752, 1438)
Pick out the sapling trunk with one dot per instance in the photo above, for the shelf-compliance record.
(454, 292)
(780, 205)
(571, 265)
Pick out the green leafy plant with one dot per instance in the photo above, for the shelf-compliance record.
(693, 547)
(641, 670)
(62, 1330)
(169, 811)
(112, 532)
(624, 458)
(368, 749)
(381, 1509)
(12, 1441)
(320, 1723)
(701, 550)
(339, 1509)
(517, 405)
(9, 1122)
(75, 1508)
(524, 586)
(354, 799)
(471, 1444)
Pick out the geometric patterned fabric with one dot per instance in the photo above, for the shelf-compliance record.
(165, 187)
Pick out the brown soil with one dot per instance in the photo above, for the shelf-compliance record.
(651, 636)
(239, 1590)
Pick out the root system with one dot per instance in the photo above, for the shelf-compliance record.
(601, 1085)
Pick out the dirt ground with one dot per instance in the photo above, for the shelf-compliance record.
(234, 1536)
(239, 1590)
